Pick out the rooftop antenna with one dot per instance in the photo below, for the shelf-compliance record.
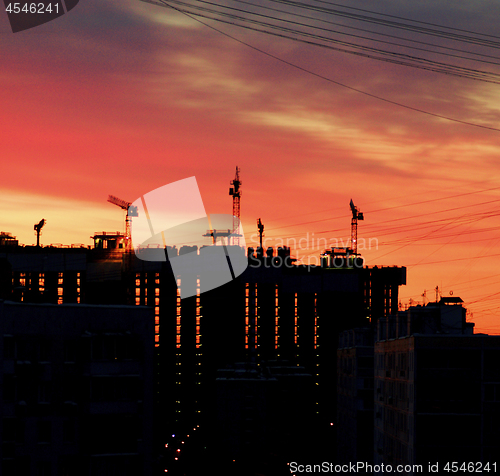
(356, 215)
(236, 193)
(131, 212)
(260, 227)
(38, 230)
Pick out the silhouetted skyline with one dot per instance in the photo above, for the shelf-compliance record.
(121, 98)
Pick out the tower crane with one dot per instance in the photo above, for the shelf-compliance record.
(260, 227)
(38, 230)
(131, 212)
(236, 193)
(356, 215)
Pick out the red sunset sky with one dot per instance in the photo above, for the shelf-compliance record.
(122, 97)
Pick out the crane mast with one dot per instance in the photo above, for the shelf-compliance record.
(236, 193)
(260, 227)
(356, 215)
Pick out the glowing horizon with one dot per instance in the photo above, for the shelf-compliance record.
(124, 97)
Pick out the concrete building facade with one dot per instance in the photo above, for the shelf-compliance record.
(435, 388)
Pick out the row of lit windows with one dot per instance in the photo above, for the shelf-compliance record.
(296, 321)
(178, 327)
(276, 318)
(316, 345)
(255, 312)
(145, 294)
(41, 284)
(198, 315)
(247, 313)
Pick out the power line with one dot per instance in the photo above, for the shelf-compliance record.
(401, 59)
(398, 25)
(367, 226)
(323, 211)
(350, 27)
(322, 20)
(406, 19)
(440, 116)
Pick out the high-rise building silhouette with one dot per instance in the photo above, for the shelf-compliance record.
(355, 395)
(433, 384)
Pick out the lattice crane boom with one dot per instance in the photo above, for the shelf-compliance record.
(119, 202)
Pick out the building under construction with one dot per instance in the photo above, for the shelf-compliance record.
(275, 315)
(274, 312)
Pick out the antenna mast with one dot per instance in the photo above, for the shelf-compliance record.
(236, 193)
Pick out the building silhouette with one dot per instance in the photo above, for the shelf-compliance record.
(355, 395)
(275, 311)
(434, 389)
(261, 415)
(76, 389)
